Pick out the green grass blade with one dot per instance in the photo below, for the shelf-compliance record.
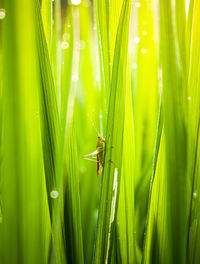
(102, 19)
(49, 111)
(47, 9)
(174, 187)
(56, 49)
(114, 139)
(72, 210)
(21, 169)
(125, 226)
(145, 91)
(193, 139)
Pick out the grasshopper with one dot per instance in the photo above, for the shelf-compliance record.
(98, 155)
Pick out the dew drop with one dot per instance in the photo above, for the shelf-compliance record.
(144, 33)
(66, 36)
(189, 98)
(136, 39)
(194, 195)
(54, 194)
(134, 66)
(100, 116)
(144, 51)
(137, 4)
(74, 78)
(82, 44)
(2, 13)
(65, 45)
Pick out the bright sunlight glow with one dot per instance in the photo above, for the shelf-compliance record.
(76, 2)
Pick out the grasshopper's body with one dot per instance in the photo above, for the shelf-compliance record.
(98, 155)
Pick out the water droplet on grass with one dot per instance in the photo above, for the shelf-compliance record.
(65, 45)
(144, 33)
(189, 98)
(74, 78)
(136, 39)
(66, 36)
(82, 44)
(194, 195)
(144, 51)
(54, 194)
(137, 4)
(2, 13)
(134, 66)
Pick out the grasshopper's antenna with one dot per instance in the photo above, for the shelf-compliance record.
(93, 124)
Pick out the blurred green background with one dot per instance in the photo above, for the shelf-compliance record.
(128, 70)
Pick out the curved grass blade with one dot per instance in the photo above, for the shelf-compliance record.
(71, 196)
(155, 159)
(175, 183)
(102, 19)
(21, 169)
(125, 226)
(114, 142)
(193, 242)
(49, 111)
(46, 10)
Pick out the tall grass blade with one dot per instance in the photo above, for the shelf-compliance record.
(22, 232)
(114, 142)
(193, 140)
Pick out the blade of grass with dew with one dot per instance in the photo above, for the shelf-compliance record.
(189, 32)
(149, 237)
(175, 202)
(114, 142)
(21, 167)
(156, 212)
(49, 111)
(52, 147)
(102, 22)
(125, 214)
(115, 7)
(56, 49)
(193, 96)
(90, 116)
(168, 213)
(47, 8)
(145, 108)
(72, 211)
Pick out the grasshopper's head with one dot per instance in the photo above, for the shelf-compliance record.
(100, 138)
